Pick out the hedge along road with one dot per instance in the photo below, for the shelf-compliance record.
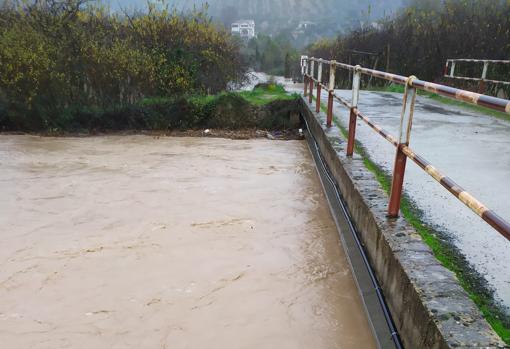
(471, 148)
(133, 241)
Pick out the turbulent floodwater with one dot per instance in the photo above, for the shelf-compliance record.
(473, 149)
(137, 242)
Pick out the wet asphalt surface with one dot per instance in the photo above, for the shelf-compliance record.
(471, 148)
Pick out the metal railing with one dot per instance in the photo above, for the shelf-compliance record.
(412, 84)
(449, 71)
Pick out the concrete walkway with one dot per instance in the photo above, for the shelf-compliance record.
(473, 149)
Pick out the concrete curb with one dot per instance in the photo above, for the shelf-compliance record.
(428, 305)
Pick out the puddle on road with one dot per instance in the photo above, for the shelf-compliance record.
(115, 242)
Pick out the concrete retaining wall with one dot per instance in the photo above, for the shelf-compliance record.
(429, 307)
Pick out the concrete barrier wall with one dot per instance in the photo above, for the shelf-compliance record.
(429, 307)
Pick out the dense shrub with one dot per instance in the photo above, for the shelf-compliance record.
(60, 56)
(266, 108)
(425, 34)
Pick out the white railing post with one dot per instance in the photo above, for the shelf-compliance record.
(305, 75)
(312, 71)
(356, 82)
(319, 87)
(485, 69)
(319, 72)
(481, 87)
(332, 72)
(452, 69)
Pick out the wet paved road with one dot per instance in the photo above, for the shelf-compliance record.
(473, 149)
(136, 242)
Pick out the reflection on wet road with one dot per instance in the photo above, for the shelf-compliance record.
(137, 242)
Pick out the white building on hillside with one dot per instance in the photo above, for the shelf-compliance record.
(303, 25)
(244, 28)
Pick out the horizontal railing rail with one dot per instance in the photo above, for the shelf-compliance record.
(313, 78)
(449, 71)
(469, 60)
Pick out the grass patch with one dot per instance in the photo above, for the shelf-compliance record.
(443, 249)
(471, 107)
(444, 100)
(266, 94)
(388, 88)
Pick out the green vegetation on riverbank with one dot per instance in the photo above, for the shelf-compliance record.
(443, 249)
(74, 58)
(267, 93)
(471, 107)
(266, 107)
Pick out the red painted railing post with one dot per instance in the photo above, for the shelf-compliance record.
(446, 68)
(481, 87)
(406, 124)
(332, 71)
(310, 95)
(318, 99)
(356, 81)
(319, 87)
(312, 68)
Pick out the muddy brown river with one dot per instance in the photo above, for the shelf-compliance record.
(143, 242)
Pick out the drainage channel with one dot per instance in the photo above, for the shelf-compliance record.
(375, 305)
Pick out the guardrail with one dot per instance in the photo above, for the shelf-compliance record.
(412, 84)
(449, 71)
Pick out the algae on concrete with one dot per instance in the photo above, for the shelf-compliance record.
(442, 247)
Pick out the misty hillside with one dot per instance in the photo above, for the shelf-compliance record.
(304, 9)
(272, 15)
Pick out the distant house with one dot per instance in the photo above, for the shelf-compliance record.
(305, 25)
(244, 28)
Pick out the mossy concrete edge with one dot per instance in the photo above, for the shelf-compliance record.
(429, 307)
